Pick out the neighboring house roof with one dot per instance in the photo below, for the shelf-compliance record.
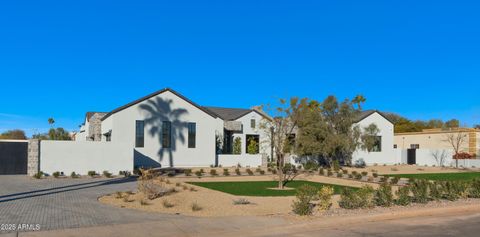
(155, 94)
(364, 114)
(231, 114)
(90, 114)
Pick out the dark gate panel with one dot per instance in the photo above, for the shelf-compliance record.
(13, 157)
(412, 156)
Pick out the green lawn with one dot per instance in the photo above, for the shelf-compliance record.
(259, 188)
(440, 176)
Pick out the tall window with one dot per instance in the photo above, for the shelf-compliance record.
(139, 133)
(252, 123)
(166, 134)
(377, 147)
(192, 134)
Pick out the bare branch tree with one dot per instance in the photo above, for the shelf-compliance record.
(456, 140)
(439, 157)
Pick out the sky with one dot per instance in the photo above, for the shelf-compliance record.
(60, 59)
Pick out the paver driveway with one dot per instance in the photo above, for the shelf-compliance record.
(65, 203)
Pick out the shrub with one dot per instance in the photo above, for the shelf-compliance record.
(198, 173)
(196, 207)
(56, 174)
(419, 190)
(329, 173)
(375, 175)
(118, 195)
(226, 172)
(339, 175)
(394, 180)
(202, 171)
(126, 198)
(364, 173)
(474, 191)
(455, 190)
(151, 190)
(354, 173)
(74, 175)
(336, 165)
(262, 172)
(38, 175)
(350, 176)
(345, 171)
(167, 204)
(363, 198)
(192, 189)
(325, 198)
(185, 187)
(321, 171)
(177, 184)
(274, 171)
(249, 172)
(384, 195)
(305, 195)
(241, 201)
(213, 172)
(144, 202)
(92, 173)
(187, 172)
(436, 190)
(107, 174)
(384, 179)
(124, 173)
(394, 169)
(237, 171)
(403, 196)
(358, 176)
(311, 165)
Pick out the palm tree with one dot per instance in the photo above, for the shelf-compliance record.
(51, 121)
(158, 111)
(359, 100)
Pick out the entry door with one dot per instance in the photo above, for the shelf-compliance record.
(13, 157)
(412, 156)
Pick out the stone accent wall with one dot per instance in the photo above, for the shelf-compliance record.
(95, 127)
(33, 165)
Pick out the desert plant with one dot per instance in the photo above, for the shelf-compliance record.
(185, 187)
(454, 190)
(226, 172)
(107, 174)
(202, 171)
(419, 190)
(435, 190)
(196, 207)
(177, 184)
(329, 173)
(124, 173)
(152, 190)
(237, 171)
(198, 173)
(394, 180)
(394, 169)
(403, 196)
(241, 201)
(384, 195)
(213, 172)
(74, 175)
(56, 174)
(345, 171)
(192, 189)
(144, 202)
(91, 173)
(249, 172)
(367, 196)
(339, 175)
(187, 172)
(311, 165)
(38, 175)
(364, 173)
(305, 195)
(118, 195)
(375, 175)
(321, 171)
(336, 165)
(126, 198)
(358, 176)
(362, 198)
(167, 181)
(350, 176)
(354, 173)
(325, 198)
(167, 204)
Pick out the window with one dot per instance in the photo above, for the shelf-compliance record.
(395, 146)
(414, 146)
(252, 123)
(139, 133)
(252, 144)
(377, 146)
(166, 134)
(192, 134)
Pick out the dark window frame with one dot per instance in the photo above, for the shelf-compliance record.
(167, 134)
(378, 146)
(192, 135)
(139, 133)
(253, 123)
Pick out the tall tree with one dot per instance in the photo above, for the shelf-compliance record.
(456, 140)
(15, 134)
(279, 130)
(453, 123)
(51, 121)
(369, 137)
(359, 100)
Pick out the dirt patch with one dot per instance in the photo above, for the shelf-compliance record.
(284, 188)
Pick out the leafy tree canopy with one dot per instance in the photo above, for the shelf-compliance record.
(15, 134)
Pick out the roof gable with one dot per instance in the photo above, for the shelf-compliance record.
(365, 114)
(155, 94)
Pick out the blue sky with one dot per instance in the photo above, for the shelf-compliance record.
(59, 59)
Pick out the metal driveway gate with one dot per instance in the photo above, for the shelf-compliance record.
(13, 157)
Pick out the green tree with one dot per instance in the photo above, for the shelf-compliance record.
(252, 147)
(369, 137)
(15, 134)
(453, 123)
(237, 145)
(359, 100)
(51, 121)
(59, 134)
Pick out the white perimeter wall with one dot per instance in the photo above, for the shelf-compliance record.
(81, 157)
(388, 154)
(245, 160)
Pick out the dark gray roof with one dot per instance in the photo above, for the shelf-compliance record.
(228, 113)
(364, 114)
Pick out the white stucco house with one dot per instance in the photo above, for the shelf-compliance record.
(384, 152)
(166, 129)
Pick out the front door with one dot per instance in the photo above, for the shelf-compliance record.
(412, 156)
